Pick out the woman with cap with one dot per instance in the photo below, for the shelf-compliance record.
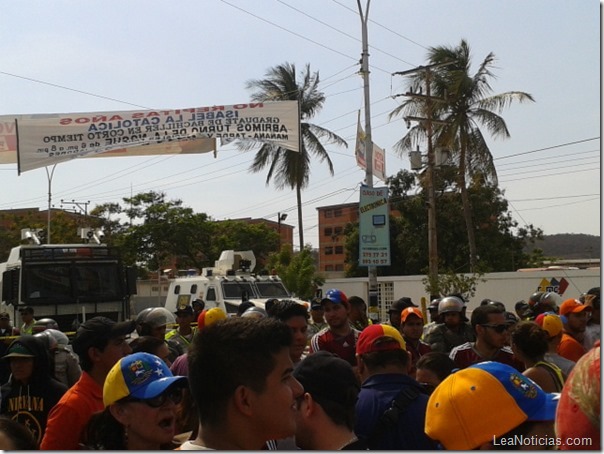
(31, 391)
(140, 395)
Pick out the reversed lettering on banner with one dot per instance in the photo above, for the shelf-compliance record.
(48, 139)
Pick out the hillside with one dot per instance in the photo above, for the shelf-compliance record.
(571, 246)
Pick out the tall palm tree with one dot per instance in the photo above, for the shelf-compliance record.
(287, 168)
(466, 104)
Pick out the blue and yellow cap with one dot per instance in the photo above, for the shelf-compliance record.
(486, 400)
(140, 375)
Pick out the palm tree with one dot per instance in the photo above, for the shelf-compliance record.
(287, 168)
(463, 105)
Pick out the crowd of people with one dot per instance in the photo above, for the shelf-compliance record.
(316, 377)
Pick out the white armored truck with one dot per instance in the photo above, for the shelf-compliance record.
(229, 282)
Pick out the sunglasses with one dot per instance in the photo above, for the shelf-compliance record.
(174, 395)
(497, 328)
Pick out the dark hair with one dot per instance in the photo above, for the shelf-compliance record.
(438, 362)
(20, 436)
(230, 353)
(530, 339)
(341, 413)
(480, 315)
(100, 343)
(244, 306)
(147, 344)
(285, 309)
(379, 359)
(356, 301)
(104, 432)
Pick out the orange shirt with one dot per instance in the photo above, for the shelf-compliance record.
(570, 348)
(69, 417)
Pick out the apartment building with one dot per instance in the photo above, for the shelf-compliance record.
(332, 221)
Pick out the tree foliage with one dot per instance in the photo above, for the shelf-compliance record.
(287, 168)
(500, 240)
(297, 270)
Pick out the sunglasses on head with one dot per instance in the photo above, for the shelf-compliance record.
(174, 395)
(497, 328)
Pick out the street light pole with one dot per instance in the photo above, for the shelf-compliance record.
(371, 270)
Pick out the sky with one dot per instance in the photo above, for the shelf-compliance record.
(72, 56)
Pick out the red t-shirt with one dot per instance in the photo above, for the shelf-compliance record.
(465, 355)
(343, 346)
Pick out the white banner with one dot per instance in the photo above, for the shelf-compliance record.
(8, 144)
(379, 155)
(44, 140)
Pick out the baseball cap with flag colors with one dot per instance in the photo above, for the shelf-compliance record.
(335, 296)
(484, 401)
(379, 338)
(552, 323)
(139, 375)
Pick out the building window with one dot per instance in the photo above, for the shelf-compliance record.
(340, 267)
(337, 212)
(328, 250)
(337, 230)
(327, 231)
(329, 213)
(328, 267)
(339, 249)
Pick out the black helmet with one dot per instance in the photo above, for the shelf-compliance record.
(534, 299)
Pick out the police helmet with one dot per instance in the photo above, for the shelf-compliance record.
(450, 304)
(152, 317)
(43, 324)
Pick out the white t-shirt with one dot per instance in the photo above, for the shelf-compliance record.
(190, 446)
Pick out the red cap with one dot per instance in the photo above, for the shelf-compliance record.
(379, 338)
(572, 306)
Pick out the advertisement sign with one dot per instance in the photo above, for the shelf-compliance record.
(374, 227)
(378, 155)
(48, 139)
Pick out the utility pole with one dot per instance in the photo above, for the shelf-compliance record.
(371, 270)
(427, 123)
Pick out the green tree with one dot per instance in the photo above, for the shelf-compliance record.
(468, 105)
(297, 270)
(162, 230)
(500, 240)
(242, 236)
(287, 168)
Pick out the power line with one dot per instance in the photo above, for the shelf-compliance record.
(341, 32)
(72, 89)
(547, 148)
(298, 35)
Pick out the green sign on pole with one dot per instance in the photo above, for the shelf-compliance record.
(374, 228)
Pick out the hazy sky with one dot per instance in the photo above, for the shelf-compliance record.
(75, 56)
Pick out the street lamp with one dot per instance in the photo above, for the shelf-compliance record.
(280, 217)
